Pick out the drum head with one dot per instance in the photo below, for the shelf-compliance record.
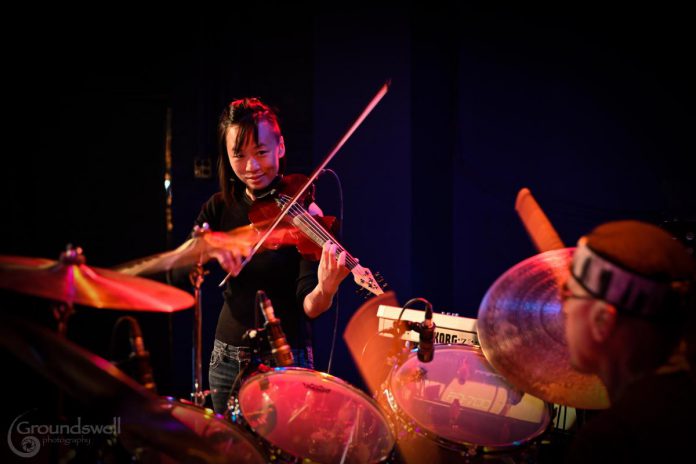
(312, 415)
(459, 399)
(227, 439)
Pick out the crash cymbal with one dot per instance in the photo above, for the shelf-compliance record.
(145, 421)
(71, 281)
(206, 244)
(199, 248)
(189, 253)
(522, 333)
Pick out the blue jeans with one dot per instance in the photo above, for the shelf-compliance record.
(227, 361)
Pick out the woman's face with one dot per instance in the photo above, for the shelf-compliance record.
(255, 164)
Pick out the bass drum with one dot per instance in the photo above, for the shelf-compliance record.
(310, 416)
(460, 403)
(227, 439)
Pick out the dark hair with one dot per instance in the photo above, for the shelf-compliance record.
(247, 114)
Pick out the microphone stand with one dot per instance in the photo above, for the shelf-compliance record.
(256, 336)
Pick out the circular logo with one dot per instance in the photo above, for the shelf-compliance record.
(30, 445)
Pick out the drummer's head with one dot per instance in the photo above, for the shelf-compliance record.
(251, 146)
(630, 292)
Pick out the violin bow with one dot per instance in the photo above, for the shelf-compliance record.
(283, 212)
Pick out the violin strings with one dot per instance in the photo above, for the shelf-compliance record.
(297, 211)
(315, 227)
(308, 221)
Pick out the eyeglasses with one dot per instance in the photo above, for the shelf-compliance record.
(566, 294)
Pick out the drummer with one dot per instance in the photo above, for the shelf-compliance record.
(626, 305)
(251, 161)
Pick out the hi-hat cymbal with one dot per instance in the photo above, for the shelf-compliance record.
(98, 385)
(522, 333)
(70, 280)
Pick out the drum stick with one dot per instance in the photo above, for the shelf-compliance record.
(539, 228)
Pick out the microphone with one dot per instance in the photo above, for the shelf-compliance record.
(141, 357)
(276, 338)
(426, 334)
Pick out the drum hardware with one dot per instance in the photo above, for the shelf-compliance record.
(196, 276)
(256, 337)
(194, 253)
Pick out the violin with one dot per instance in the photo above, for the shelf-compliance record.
(287, 208)
(299, 228)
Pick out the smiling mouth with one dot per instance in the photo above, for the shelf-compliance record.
(255, 178)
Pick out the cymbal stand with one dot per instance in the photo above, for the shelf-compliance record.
(63, 310)
(197, 276)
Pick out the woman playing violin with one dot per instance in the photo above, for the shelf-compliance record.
(251, 161)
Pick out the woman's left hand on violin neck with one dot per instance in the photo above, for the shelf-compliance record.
(331, 272)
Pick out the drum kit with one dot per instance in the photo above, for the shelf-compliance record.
(469, 402)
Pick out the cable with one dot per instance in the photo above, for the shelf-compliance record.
(396, 326)
(428, 305)
(340, 234)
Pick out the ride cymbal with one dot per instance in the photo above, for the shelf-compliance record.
(522, 334)
(70, 280)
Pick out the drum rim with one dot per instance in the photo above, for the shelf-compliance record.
(405, 419)
(242, 433)
(301, 370)
(332, 378)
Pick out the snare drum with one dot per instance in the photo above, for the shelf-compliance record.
(458, 401)
(227, 439)
(308, 415)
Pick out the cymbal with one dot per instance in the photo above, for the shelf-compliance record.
(189, 253)
(192, 251)
(522, 333)
(70, 280)
(144, 420)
